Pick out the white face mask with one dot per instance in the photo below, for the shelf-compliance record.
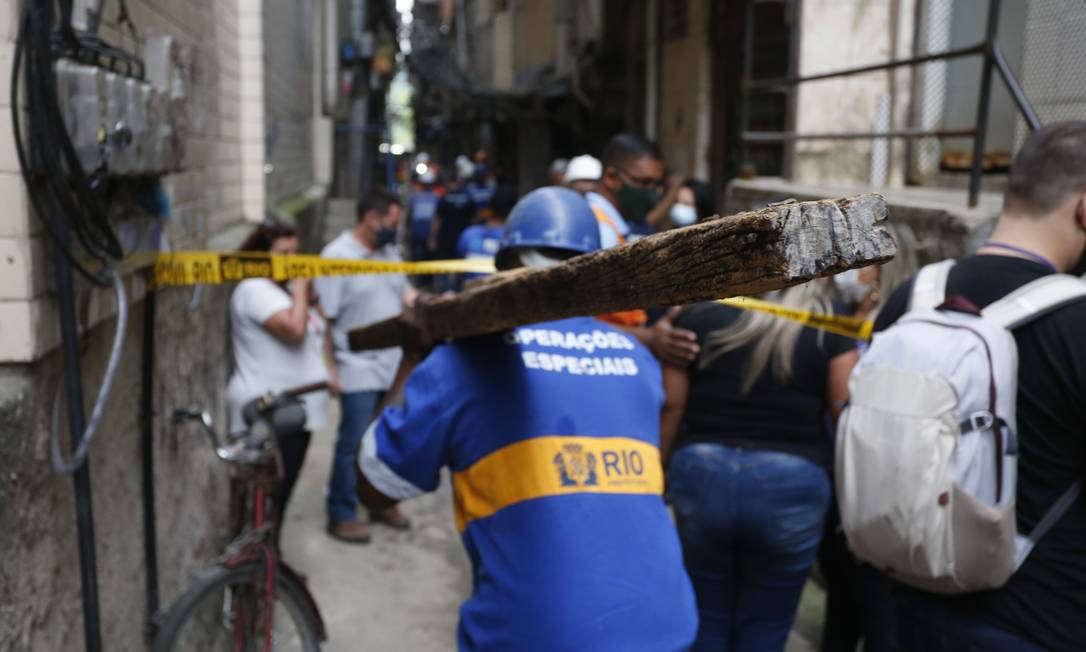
(683, 214)
(851, 289)
(536, 259)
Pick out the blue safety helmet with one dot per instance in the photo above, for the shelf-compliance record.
(551, 218)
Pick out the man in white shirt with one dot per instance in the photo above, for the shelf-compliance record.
(350, 302)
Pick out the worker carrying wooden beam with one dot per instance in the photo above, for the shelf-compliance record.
(551, 431)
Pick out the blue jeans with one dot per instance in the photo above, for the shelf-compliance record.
(750, 522)
(927, 625)
(357, 410)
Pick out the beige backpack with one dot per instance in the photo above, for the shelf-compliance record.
(927, 448)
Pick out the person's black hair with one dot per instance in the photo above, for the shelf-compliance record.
(378, 200)
(267, 232)
(703, 197)
(623, 149)
(1049, 168)
(505, 197)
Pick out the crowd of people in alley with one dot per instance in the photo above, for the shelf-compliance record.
(670, 478)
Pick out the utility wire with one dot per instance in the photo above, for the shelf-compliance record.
(48, 160)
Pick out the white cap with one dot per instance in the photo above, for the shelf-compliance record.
(584, 168)
(427, 176)
(464, 167)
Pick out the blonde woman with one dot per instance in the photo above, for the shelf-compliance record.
(749, 476)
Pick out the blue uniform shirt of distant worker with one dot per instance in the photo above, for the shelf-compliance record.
(420, 212)
(457, 211)
(481, 195)
(551, 434)
(479, 241)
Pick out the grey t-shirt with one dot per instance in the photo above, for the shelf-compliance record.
(355, 301)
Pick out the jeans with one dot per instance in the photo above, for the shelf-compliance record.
(750, 522)
(357, 410)
(924, 624)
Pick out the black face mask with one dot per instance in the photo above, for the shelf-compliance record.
(1080, 267)
(385, 237)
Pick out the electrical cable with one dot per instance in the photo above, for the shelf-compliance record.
(50, 165)
(79, 457)
(95, 19)
(123, 17)
(24, 163)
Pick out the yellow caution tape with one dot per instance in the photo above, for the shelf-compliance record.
(212, 267)
(848, 326)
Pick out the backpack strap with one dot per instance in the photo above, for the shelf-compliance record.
(929, 288)
(1024, 545)
(1035, 299)
(1029, 302)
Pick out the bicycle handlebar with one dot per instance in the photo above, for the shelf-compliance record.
(228, 452)
(304, 389)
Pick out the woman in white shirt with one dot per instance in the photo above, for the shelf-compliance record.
(279, 343)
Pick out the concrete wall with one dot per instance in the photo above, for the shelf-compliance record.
(944, 226)
(684, 94)
(40, 605)
(534, 40)
(839, 34)
(220, 191)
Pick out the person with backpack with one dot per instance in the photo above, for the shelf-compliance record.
(859, 605)
(962, 453)
(748, 482)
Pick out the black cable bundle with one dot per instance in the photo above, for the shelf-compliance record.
(48, 160)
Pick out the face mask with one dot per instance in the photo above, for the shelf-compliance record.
(851, 289)
(1080, 267)
(635, 203)
(683, 214)
(385, 237)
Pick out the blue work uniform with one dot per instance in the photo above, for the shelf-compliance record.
(481, 194)
(551, 432)
(421, 208)
(479, 241)
(457, 211)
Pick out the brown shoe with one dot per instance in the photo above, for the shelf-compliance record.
(392, 517)
(354, 531)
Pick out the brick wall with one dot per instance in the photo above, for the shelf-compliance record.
(222, 185)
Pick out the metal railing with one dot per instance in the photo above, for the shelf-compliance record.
(992, 56)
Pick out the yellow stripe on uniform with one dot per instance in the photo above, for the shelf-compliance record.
(555, 466)
(839, 324)
(211, 267)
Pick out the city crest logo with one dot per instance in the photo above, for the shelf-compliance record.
(576, 467)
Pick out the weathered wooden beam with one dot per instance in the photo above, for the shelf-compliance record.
(781, 245)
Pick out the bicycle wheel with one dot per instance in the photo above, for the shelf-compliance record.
(224, 610)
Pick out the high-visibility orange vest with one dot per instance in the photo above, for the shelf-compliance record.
(603, 218)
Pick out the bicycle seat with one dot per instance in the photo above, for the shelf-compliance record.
(285, 415)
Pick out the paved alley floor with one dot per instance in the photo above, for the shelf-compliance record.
(401, 591)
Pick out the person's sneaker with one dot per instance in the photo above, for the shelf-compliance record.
(392, 517)
(354, 531)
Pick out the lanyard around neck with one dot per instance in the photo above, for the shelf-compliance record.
(1025, 252)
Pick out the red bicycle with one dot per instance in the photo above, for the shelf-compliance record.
(249, 600)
